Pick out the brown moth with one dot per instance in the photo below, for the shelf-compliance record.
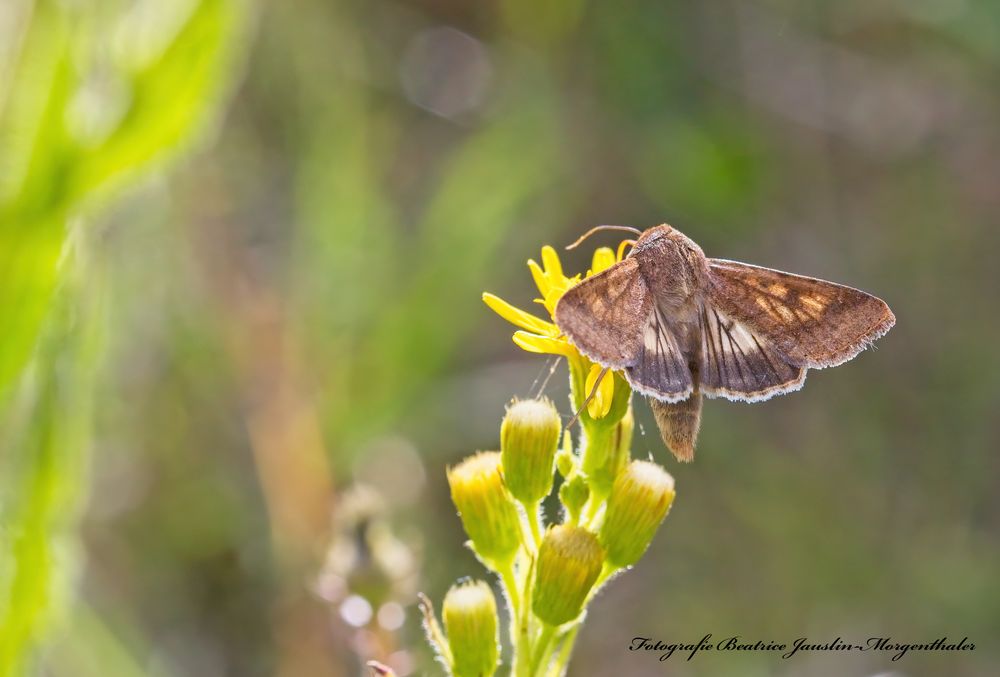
(681, 325)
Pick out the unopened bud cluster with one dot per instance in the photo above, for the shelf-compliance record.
(612, 507)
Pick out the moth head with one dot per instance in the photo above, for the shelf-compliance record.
(653, 235)
(671, 262)
(666, 241)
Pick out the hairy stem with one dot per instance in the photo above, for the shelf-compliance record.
(558, 668)
(541, 648)
(533, 522)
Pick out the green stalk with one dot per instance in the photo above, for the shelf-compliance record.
(558, 668)
(541, 649)
(509, 579)
(533, 522)
(522, 645)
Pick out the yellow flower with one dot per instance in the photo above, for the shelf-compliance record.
(538, 335)
(543, 336)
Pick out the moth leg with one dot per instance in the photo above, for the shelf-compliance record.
(593, 391)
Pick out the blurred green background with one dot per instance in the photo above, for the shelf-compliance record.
(242, 247)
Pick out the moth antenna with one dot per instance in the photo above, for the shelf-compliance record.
(593, 391)
(593, 230)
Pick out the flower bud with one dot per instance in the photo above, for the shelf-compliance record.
(569, 561)
(574, 494)
(565, 462)
(640, 498)
(529, 436)
(470, 621)
(488, 514)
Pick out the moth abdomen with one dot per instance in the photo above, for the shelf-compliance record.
(679, 423)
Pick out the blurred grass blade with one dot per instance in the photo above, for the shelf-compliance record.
(50, 174)
(44, 472)
(172, 96)
(36, 157)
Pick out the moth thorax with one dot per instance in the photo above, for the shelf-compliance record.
(673, 272)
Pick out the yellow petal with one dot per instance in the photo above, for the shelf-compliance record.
(534, 343)
(600, 403)
(621, 248)
(557, 290)
(541, 281)
(518, 316)
(604, 258)
(551, 299)
(550, 260)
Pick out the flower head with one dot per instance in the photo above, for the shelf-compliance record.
(569, 561)
(640, 499)
(488, 514)
(529, 438)
(470, 621)
(543, 336)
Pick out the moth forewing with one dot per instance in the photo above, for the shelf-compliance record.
(813, 322)
(603, 315)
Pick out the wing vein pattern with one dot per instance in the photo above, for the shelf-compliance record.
(660, 370)
(814, 323)
(738, 365)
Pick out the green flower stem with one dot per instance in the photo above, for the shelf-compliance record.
(541, 648)
(521, 636)
(509, 579)
(595, 455)
(533, 522)
(558, 668)
(590, 511)
(517, 638)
